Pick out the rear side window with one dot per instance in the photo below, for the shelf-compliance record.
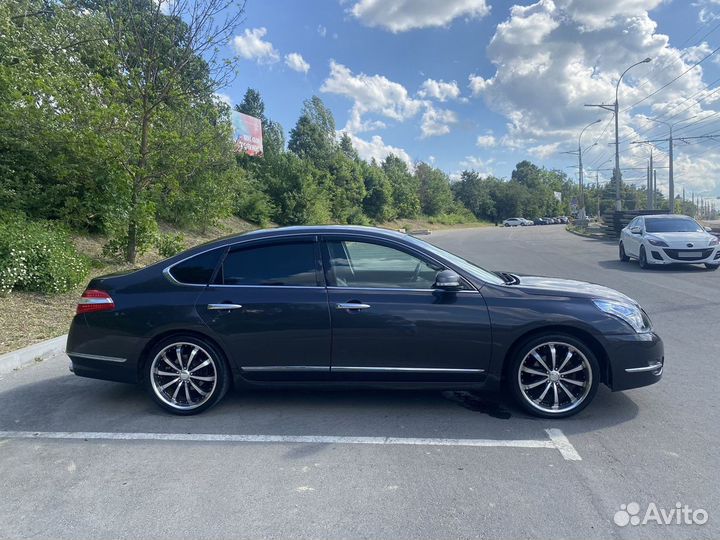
(290, 264)
(197, 270)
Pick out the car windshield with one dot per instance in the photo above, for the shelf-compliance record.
(661, 225)
(467, 266)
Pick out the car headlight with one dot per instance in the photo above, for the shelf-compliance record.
(656, 241)
(629, 313)
(713, 241)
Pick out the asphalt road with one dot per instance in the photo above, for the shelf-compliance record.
(653, 445)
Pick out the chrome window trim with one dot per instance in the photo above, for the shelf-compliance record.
(397, 289)
(97, 357)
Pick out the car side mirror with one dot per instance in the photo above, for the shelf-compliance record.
(635, 230)
(447, 279)
(708, 229)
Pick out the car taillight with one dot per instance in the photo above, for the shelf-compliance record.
(93, 300)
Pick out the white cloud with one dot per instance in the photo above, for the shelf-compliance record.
(551, 58)
(250, 45)
(321, 30)
(477, 84)
(437, 121)
(296, 62)
(440, 90)
(486, 141)
(377, 149)
(479, 165)
(370, 94)
(402, 15)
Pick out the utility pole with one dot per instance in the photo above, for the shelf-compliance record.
(581, 176)
(617, 175)
(651, 193)
(669, 140)
(597, 187)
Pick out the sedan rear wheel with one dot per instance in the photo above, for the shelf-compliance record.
(554, 376)
(186, 375)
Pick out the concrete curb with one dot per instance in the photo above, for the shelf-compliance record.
(593, 236)
(33, 353)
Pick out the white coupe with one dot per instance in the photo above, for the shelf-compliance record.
(668, 239)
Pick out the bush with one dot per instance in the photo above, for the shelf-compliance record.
(170, 244)
(39, 257)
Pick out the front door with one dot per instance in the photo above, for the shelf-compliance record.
(268, 306)
(389, 323)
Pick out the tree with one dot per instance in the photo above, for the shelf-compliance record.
(378, 202)
(347, 148)
(346, 189)
(168, 60)
(313, 137)
(435, 193)
(474, 193)
(404, 186)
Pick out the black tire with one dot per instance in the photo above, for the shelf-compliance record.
(712, 266)
(514, 375)
(643, 258)
(623, 255)
(187, 385)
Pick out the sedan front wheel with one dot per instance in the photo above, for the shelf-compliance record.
(554, 376)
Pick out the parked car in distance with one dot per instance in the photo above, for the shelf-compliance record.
(548, 221)
(564, 219)
(528, 222)
(668, 239)
(342, 305)
(514, 222)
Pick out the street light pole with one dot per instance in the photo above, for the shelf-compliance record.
(617, 175)
(581, 199)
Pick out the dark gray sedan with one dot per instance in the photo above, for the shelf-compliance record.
(356, 306)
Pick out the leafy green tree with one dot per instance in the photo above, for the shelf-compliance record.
(346, 188)
(474, 193)
(435, 193)
(295, 188)
(168, 62)
(378, 202)
(405, 187)
(313, 137)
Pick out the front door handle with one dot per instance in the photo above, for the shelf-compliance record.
(222, 307)
(352, 305)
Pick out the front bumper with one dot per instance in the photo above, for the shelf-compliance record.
(660, 255)
(635, 360)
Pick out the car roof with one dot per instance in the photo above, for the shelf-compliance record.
(279, 232)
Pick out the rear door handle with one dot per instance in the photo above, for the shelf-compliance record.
(352, 305)
(222, 307)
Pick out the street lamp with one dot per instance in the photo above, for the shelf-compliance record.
(581, 201)
(615, 109)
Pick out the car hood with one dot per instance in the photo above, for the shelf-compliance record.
(680, 240)
(569, 287)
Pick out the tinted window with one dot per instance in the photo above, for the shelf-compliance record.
(198, 269)
(273, 264)
(368, 265)
(672, 225)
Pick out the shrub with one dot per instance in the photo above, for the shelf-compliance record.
(170, 244)
(39, 257)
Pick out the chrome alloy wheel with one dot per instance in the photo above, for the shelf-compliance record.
(183, 375)
(555, 377)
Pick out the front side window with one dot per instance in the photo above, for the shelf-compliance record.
(289, 264)
(369, 265)
(197, 270)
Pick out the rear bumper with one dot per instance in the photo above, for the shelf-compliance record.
(635, 360)
(102, 367)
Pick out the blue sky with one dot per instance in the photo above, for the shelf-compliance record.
(397, 76)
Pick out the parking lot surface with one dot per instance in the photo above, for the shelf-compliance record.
(81, 458)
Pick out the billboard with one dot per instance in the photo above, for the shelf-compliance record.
(249, 139)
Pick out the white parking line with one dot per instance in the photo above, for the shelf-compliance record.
(557, 441)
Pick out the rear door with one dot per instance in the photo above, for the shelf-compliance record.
(388, 322)
(268, 306)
